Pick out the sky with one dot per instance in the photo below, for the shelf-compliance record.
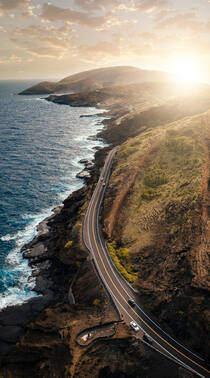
(51, 40)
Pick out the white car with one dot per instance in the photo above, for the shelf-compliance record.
(134, 326)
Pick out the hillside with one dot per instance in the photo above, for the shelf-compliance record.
(156, 219)
(96, 79)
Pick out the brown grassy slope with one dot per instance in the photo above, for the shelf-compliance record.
(163, 104)
(156, 206)
(99, 78)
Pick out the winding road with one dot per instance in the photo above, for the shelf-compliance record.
(120, 290)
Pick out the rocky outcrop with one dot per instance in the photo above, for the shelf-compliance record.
(85, 173)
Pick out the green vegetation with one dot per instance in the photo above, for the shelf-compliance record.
(78, 264)
(155, 177)
(120, 258)
(96, 302)
(68, 244)
(167, 166)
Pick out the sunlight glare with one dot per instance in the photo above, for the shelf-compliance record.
(186, 70)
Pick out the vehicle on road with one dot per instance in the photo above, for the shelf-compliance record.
(131, 302)
(134, 326)
(147, 339)
(101, 179)
(104, 184)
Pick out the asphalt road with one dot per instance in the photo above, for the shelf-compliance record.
(121, 291)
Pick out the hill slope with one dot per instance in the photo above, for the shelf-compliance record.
(156, 219)
(96, 79)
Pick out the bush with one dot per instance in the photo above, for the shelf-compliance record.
(68, 244)
(96, 302)
(131, 277)
(179, 145)
(149, 194)
(154, 178)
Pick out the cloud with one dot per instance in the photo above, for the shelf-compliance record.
(8, 5)
(165, 13)
(127, 5)
(102, 49)
(119, 48)
(44, 41)
(181, 22)
(45, 52)
(95, 5)
(10, 59)
(149, 6)
(53, 13)
(30, 12)
(148, 45)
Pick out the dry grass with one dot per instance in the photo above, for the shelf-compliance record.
(171, 173)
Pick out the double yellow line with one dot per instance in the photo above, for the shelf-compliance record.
(182, 354)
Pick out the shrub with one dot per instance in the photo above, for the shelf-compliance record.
(96, 302)
(68, 244)
(131, 277)
(154, 178)
(149, 194)
(179, 145)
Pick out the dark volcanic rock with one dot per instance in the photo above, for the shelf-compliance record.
(37, 251)
(10, 334)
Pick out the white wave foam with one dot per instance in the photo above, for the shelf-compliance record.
(8, 237)
(16, 264)
(24, 236)
(14, 296)
(24, 287)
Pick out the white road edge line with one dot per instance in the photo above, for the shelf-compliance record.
(105, 253)
(109, 289)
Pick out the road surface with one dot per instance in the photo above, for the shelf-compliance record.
(121, 291)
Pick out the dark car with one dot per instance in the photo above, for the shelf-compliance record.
(147, 339)
(131, 302)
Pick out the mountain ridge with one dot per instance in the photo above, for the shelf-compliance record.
(97, 79)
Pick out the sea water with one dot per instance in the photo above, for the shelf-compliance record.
(41, 144)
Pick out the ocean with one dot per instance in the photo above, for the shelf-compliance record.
(41, 144)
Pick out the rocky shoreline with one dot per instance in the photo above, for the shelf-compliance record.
(40, 256)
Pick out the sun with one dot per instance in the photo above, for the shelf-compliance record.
(185, 70)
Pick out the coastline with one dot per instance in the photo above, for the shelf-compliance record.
(60, 191)
(67, 282)
(37, 250)
(41, 257)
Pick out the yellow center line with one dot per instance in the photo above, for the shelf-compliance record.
(93, 230)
